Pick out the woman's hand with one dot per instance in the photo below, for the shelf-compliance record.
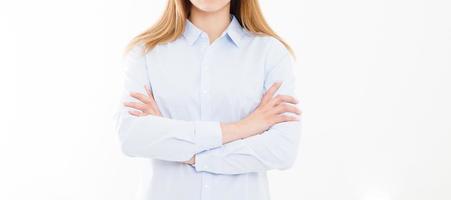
(146, 106)
(191, 161)
(270, 111)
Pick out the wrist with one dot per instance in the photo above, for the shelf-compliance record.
(231, 132)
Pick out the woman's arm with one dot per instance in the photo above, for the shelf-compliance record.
(275, 148)
(154, 136)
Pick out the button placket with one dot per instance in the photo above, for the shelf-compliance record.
(206, 186)
(204, 75)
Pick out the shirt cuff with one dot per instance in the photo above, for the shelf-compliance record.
(207, 134)
(200, 163)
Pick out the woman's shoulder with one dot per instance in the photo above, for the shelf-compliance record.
(267, 43)
(134, 56)
(270, 47)
(137, 50)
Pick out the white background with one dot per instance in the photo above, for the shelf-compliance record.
(374, 81)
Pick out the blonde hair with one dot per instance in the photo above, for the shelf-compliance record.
(172, 23)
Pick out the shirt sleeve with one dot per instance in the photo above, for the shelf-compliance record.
(155, 136)
(275, 148)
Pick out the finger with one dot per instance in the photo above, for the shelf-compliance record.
(157, 112)
(135, 113)
(152, 100)
(148, 91)
(283, 98)
(274, 87)
(141, 97)
(270, 92)
(135, 105)
(150, 95)
(287, 107)
(286, 118)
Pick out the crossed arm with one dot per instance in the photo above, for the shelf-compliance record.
(209, 146)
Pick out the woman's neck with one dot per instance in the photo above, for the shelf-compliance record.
(213, 23)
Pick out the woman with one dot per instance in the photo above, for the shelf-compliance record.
(209, 99)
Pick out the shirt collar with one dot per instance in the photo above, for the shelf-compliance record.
(234, 31)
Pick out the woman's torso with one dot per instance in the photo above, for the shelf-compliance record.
(194, 80)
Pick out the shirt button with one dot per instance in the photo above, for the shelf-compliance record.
(204, 91)
(206, 186)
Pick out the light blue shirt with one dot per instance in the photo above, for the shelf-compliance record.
(197, 85)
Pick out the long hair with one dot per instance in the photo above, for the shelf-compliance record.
(172, 23)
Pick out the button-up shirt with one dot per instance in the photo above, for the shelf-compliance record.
(196, 86)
